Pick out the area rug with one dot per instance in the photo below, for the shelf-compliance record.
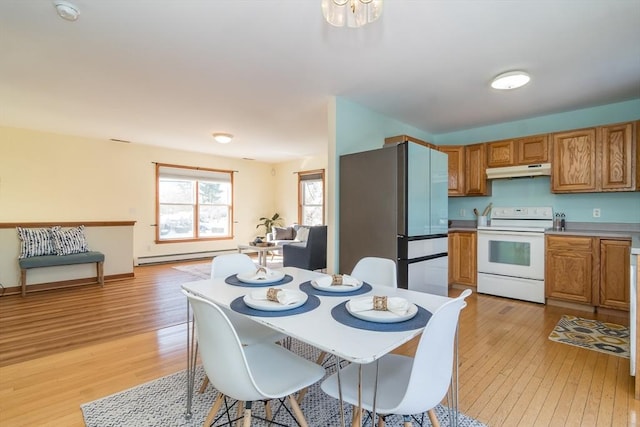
(604, 337)
(203, 271)
(163, 402)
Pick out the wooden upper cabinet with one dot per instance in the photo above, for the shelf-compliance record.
(532, 149)
(455, 154)
(519, 151)
(595, 159)
(574, 161)
(618, 157)
(501, 153)
(476, 170)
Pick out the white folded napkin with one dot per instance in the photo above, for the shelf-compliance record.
(285, 297)
(262, 273)
(327, 281)
(396, 305)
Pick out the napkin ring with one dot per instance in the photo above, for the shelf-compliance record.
(272, 294)
(261, 270)
(336, 280)
(380, 303)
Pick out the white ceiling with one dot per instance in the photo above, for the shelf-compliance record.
(169, 73)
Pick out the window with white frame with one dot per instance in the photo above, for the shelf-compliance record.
(311, 197)
(193, 203)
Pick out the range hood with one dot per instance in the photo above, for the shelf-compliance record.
(522, 171)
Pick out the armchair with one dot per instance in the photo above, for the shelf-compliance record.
(310, 254)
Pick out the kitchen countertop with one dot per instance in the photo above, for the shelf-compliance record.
(579, 229)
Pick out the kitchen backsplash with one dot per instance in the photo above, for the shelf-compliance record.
(615, 207)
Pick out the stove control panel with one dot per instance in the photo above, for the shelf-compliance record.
(527, 212)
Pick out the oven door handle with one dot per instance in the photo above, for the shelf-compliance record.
(509, 233)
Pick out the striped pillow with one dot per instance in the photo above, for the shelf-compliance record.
(35, 242)
(69, 241)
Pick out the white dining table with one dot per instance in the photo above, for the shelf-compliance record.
(318, 327)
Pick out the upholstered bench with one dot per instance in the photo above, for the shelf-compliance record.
(56, 260)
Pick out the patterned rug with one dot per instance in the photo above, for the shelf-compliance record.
(203, 271)
(604, 337)
(162, 403)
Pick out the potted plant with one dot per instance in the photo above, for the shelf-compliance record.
(269, 223)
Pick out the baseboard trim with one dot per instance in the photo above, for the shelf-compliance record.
(161, 259)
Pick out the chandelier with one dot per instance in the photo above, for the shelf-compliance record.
(352, 13)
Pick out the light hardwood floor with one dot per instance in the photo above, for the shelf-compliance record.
(60, 349)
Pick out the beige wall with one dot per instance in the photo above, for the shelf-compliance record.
(286, 185)
(51, 177)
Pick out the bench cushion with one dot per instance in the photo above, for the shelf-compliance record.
(53, 260)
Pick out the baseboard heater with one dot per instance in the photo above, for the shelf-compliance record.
(158, 259)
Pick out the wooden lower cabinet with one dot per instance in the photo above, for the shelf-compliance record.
(588, 270)
(569, 268)
(462, 258)
(615, 256)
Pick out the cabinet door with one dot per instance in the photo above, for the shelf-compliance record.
(462, 258)
(501, 153)
(617, 157)
(532, 149)
(569, 269)
(456, 163)
(476, 170)
(615, 256)
(574, 161)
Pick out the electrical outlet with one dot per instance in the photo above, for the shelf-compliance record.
(463, 212)
(596, 212)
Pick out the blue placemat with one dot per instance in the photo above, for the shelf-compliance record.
(239, 306)
(233, 280)
(341, 315)
(307, 288)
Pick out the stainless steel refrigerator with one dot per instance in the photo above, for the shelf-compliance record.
(393, 204)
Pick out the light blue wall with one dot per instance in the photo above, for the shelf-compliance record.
(611, 113)
(359, 129)
(615, 207)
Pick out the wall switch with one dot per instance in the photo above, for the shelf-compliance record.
(463, 212)
(596, 213)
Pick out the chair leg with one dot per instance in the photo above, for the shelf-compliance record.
(214, 410)
(240, 415)
(381, 422)
(247, 414)
(205, 383)
(433, 418)
(267, 410)
(321, 357)
(356, 417)
(297, 412)
(407, 421)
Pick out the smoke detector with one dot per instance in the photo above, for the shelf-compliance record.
(66, 10)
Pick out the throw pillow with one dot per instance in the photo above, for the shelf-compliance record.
(69, 241)
(35, 242)
(283, 233)
(302, 234)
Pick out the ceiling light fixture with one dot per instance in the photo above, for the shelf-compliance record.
(66, 10)
(510, 80)
(223, 138)
(352, 13)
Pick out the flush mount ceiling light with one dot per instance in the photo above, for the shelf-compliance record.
(510, 80)
(223, 138)
(66, 10)
(352, 13)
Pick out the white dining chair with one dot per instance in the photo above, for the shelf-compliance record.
(376, 271)
(258, 372)
(250, 332)
(406, 385)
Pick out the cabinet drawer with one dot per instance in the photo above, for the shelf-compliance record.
(573, 243)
